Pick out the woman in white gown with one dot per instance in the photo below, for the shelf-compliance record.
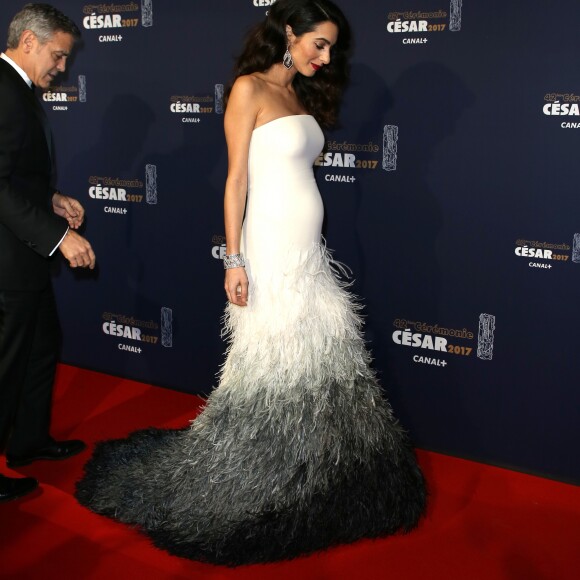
(296, 449)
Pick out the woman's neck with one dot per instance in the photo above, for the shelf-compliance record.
(279, 75)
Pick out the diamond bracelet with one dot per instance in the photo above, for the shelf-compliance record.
(234, 261)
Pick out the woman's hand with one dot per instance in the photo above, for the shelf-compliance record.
(236, 286)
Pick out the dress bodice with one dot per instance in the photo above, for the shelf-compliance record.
(284, 208)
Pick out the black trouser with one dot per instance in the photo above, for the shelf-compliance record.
(29, 343)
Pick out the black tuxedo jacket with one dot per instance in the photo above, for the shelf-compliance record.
(29, 230)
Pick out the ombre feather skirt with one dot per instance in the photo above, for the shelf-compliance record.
(296, 450)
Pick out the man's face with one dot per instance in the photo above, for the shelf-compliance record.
(49, 59)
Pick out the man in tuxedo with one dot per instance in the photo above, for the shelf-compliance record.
(36, 221)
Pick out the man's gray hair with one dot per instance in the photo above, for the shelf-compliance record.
(44, 20)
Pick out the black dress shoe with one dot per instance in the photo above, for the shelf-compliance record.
(11, 488)
(55, 451)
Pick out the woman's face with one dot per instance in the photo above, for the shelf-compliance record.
(311, 51)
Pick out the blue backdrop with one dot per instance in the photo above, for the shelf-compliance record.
(451, 190)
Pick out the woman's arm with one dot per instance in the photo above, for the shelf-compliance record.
(239, 122)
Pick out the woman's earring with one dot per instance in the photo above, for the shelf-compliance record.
(287, 60)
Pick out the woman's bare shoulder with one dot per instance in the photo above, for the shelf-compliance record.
(248, 86)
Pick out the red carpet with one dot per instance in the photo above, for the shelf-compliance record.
(483, 522)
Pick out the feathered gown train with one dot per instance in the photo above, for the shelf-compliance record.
(296, 449)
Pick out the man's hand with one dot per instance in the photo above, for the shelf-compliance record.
(77, 251)
(68, 208)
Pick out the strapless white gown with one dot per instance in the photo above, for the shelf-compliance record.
(296, 449)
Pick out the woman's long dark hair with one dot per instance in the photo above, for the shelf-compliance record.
(265, 45)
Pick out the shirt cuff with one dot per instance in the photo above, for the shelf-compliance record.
(59, 243)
